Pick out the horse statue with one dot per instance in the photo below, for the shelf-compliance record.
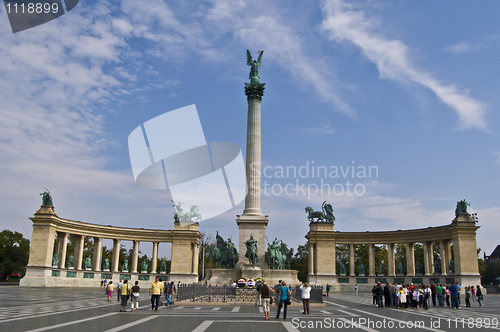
(326, 215)
(223, 254)
(46, 198)
(193, 213)
(231, 253)
(214, 253)
(273, 252)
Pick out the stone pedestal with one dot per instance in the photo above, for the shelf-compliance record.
(256, 227)
(251, 272)
(224, 276)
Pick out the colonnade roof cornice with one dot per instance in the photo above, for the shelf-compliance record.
(399, 236)
(115, 232)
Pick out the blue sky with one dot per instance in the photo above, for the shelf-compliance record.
(408, 87)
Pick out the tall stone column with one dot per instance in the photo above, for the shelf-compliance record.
(444, 259)
(135, 256)
(352, 273)
(371, 260)
(116, 255)
(63, 246)
(97, 254)
(252, 221)
(79, 241)
(410, 259)
(391, 263)
(154, 259)
(310, 266)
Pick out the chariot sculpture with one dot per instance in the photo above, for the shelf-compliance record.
(325, 215)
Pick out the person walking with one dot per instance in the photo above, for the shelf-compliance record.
(306, 296)
(327, 289)
(110, 288)
(440, 296)
(427, 296)
(156, 290)
(134, 297)
(448, 295)
(356, 290)
(387, 295)
(258, 297)
(118, 289)
(283, 294)
(467, 297)
(473, 293)
(454, 296)
(265, 292)
(479, 295)
(379, 293)
(170, 291)
(433, 293)
(276, 289)
(124, 294)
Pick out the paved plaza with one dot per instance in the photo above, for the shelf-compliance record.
(87, 309)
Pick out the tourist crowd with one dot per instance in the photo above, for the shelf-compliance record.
(125, 293)
(424, 296)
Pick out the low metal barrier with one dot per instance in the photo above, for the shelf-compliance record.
(225, 293)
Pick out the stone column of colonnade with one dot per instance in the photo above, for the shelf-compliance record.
(310, 264)
(135, 256)
(154, 259)
(428, 258)
(410, 259)
(78, 251)
(371, 260)
(352, 273)
(196, 248)
(444, 257)
(116, 255)
(97, 254)
(62, 246)
(391, 262)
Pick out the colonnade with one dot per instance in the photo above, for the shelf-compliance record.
(461, 232)
(44, 244)
(428, 266)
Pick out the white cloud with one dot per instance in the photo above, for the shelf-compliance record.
(323, 129)
(344, 22)
(462, 47)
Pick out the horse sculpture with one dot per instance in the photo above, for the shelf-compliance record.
(326, 215)
(224, 254)
(188, 216)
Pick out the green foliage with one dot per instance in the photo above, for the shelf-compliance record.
(380, 253)
(361, 257)
(342, 256)
(400, 255)
(480, 263)
(491, 271)
(14, 253)
(299, 262)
